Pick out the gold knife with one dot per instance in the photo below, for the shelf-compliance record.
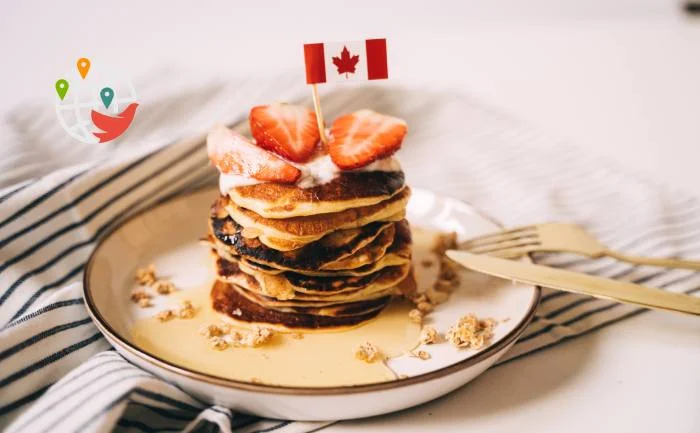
(575, 282)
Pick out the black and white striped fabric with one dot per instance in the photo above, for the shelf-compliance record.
(58, 197)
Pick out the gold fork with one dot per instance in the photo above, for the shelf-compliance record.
(559, 238)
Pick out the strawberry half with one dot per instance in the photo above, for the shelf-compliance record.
(290, 131)
(360, 138)
(232, 153)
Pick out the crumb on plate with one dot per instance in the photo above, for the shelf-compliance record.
(444, 242)
(219, 343)
(146, 276)
(429, 335)
(368, 353)
(471, 332)
(415, 316)
(165, 315)
(187, 310)
(145, 303)
(257, 336)
(163, 287)
(420, 354)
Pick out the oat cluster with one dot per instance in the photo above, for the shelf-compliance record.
(186, 311)
(368, 353)
(429, 335)
(141, 297)
(146, 278)
(223, 336)
(163, 287)
(421, 354)
(471, 332)
(416, 316)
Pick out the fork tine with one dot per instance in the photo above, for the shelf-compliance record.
(505, 245)
(500, 236)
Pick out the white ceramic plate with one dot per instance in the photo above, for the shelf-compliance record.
(168, 236)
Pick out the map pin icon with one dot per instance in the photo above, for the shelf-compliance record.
(83, 66)
(107, 94)
(61, 88)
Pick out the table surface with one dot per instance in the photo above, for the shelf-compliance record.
(620, 79)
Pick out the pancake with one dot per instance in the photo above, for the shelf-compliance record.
(349, 248)
(325, 291)
(313, 261)
(227, 300)
(307, 229)
(335, 309)
(347, 190)
(288, 245)
(399, 253)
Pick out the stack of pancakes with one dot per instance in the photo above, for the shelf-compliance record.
(306, 258)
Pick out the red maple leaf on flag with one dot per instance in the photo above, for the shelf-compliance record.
(345, 63)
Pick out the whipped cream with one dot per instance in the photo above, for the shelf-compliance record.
(316, 172)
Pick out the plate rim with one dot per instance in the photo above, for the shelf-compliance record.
(115, 339)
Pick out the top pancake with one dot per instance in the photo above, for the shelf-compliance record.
(347, 190)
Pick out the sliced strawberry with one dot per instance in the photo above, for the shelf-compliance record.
(360, 138)
(232, 153)
(290, 131)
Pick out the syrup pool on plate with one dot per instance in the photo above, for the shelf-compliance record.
(317, 359)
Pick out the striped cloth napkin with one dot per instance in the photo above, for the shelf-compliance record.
(58, 197)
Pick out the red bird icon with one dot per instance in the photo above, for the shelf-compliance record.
(113, 127)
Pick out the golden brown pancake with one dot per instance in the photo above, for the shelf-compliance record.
(345, 249)
(347, 190)
(227, 300)
(324, 290)
(290, 244)
(317, 308)
(307, 229)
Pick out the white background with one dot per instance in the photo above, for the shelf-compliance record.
(620, 78)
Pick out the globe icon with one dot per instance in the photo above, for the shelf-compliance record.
(83, 96)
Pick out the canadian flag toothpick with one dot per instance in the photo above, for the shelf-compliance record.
(343, 61)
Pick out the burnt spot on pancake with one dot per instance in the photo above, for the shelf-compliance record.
(330, 284)
(398, 253)
(227, 300)
(374, 237)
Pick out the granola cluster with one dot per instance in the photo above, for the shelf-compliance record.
(146, 278)
(223, 336)
(186, 311)
(429, 335)
(471, 332)
(141, 297)
(368, 353)
(420, 354)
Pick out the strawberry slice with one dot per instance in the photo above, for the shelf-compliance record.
(360, 138)
(232, 153)
(290, 131)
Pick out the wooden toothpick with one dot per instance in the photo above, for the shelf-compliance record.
(319, 114)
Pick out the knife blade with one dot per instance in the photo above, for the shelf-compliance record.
(576, 282)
